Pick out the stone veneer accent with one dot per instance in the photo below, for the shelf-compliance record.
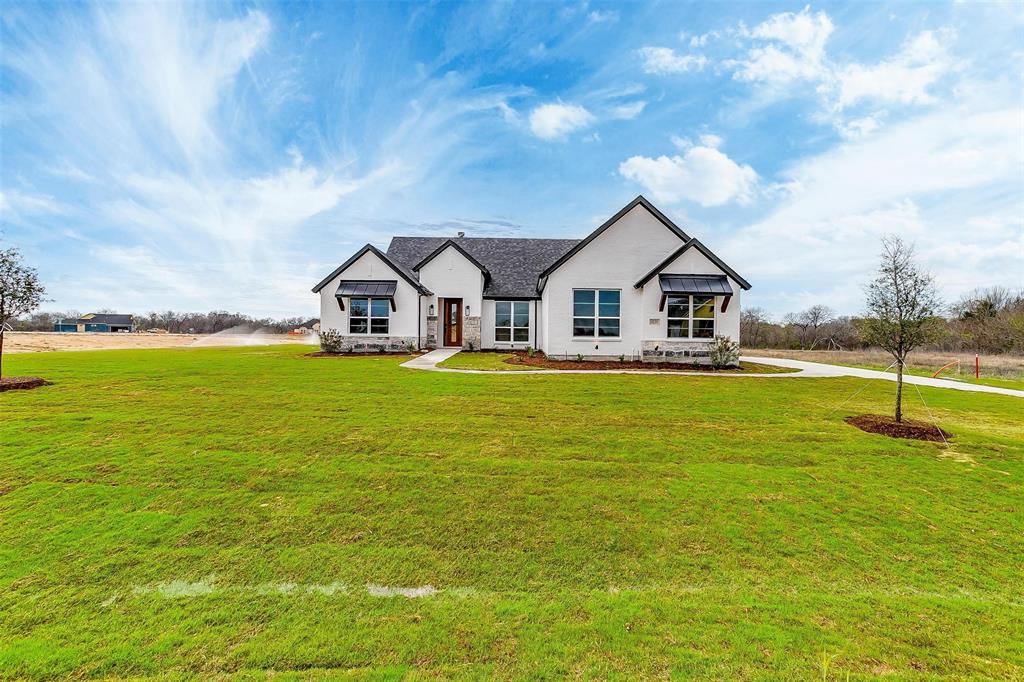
(431, 340)
(471, 332)
(695, 352)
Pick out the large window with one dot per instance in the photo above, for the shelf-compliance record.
(368, 315)
(595, 310)
(691, 317)
(511, 321)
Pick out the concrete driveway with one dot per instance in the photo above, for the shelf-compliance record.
(820, 369)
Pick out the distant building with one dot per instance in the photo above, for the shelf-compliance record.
(97, 322)
(308, 327)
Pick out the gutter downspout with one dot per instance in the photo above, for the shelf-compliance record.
(419, 321)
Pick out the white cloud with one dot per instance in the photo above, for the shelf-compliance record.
(556, 120)
(701, 174)
(905, 78)
(628, 111)
(665, 60)
(601, 17)
(859, 127)
(701, 40)
(796, 50)
(949, 181)
(709, 140)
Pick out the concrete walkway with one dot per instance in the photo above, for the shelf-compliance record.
(809, 370)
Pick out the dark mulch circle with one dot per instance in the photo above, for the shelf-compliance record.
(908, 428)
(16, 383)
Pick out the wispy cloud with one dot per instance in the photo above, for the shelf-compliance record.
(665, 60)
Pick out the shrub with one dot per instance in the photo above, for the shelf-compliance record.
(579, 357)
(470, 345)
(724, 352)
(622, 357)
(330, 341)
(411, 347)
(530, 352)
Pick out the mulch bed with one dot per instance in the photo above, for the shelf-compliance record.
(541, 361)
(360, 354)
(908, 428)
(17, 383)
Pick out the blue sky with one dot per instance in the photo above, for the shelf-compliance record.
(227, 156)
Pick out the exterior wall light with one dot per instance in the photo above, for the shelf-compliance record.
(467, 311)
(430, 310)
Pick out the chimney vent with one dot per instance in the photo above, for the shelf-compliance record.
(461, 234)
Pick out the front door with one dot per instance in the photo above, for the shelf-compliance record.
(452, 322)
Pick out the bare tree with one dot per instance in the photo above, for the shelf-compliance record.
(20, 292)
(809, 323)
(902, 308)
(752, 322)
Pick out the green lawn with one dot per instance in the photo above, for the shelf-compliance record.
(491, 362)
(212, 512)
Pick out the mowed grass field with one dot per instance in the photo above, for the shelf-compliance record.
(217, 512)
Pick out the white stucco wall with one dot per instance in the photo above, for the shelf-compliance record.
(487, 337)
(615, 259)
(452, 275)
(691, 262)
(370, 266)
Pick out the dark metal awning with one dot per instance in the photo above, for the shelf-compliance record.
(709, 285)
(371, 288)
(714, 285)
(363, 287)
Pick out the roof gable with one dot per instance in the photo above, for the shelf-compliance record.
(513, 263)
(399, 270)
(453, 244)
(693, 243)
(639, 201)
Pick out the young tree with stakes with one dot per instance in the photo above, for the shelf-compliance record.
(20, 292)
(902, 308)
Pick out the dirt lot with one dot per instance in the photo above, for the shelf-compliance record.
(1007, 366)
(35, 342)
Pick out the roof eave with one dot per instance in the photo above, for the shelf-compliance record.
(380, 254)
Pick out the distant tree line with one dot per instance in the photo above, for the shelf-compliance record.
(173, 322)
(984, 321)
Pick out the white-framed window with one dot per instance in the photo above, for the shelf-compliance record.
(595, 312)
(511, 321)
(690, 317)
(368, 315)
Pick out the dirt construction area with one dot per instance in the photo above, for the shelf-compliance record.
(36, 342)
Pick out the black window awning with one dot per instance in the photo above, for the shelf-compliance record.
(708, 285)
(370, 288)
(712, 285)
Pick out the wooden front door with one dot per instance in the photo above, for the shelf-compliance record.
(452, 311)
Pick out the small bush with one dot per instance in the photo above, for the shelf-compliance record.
(411, 347)
(724, 352)
(330, 341)
(382, 349)
(530, 352)
(579, 357)
(622, 357)
(470, 345)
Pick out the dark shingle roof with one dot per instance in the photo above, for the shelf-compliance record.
(513, 264)
(102, 318)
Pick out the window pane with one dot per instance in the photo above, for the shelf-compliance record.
(703, 329)
(502, 308)
(522, 319)
(677, 329)
(583, 326)
(521, 307)
(608, 328)
(521, 334)
(502, 315)
(609, 297)
(357, 326)
(678, 306)
(379, 326)
(703, 306)
(583, 309)
(608, 310)
(379, 307)
(502, 334)
(583, 296)
(359, 306)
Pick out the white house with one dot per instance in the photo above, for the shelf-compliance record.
(637, 286)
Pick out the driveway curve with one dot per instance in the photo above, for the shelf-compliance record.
(811, 370)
